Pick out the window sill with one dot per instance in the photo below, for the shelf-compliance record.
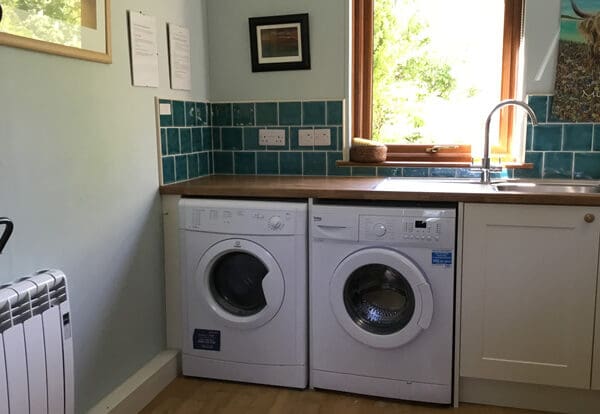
(419, 164)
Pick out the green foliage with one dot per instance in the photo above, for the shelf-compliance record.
(404, 68)
(56, 21)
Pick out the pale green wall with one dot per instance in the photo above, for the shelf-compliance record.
(78, 174)
(231, 76)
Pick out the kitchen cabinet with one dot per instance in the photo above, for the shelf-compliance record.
(529, 280)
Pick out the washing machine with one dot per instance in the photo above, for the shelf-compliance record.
(382, 300)
(244, 278)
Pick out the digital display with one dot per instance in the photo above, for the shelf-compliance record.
(420, 224)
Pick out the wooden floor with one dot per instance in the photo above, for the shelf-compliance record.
(191, 395)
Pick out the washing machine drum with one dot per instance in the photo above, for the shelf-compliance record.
(241, 282)
(381, 298)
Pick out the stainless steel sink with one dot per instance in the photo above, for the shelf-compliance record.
(546, 188)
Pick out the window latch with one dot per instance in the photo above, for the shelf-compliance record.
(436, 148)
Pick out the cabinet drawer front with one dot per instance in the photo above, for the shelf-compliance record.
(529, 291)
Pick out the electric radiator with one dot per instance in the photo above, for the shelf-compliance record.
(36, 348)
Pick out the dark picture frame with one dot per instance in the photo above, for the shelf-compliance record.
(279, 42)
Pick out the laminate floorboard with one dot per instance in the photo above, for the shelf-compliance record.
(193, 395)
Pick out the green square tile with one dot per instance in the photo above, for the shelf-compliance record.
(204, 163)
(185, 139)
(290, 113)
(290, 163)
(294, 139)
(558, 165)
(231, 139)
(197, 139)
(547, 137)
(364, 171)
(578, 137)
(193, 166)
(178, 108)
(539, 104)
(415, 172)
(216, 138)
(442, 172)
(166, 120)
(467, 173)
(243, 114)
(173, 141)
(536, 158)
(334, 139)
(314, 163)
(529, 138)
(389, 172)
(335, 112)
(201, 114)
(251, 139)
(266, 113)
(596, 140)
(163, 141)
(207, 140)
(181, 168)
(267, 163)
(587, 166)
(221, 114)
(313, 113)
(223, 162)
(332, 168)
(245, 163)
(168, 168)
(190, 114)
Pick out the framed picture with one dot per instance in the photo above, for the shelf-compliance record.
(279, 43)
(73, 28)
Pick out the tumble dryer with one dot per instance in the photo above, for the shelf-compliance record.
(244, 277)
(382, 300)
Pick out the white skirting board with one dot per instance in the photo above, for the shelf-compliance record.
(141, 388)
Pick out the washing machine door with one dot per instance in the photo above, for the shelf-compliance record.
(381, 298)
(241, 282)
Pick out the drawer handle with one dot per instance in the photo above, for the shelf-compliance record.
(589, 218)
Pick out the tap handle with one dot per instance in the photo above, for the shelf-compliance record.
(8, 229)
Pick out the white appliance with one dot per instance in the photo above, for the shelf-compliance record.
(244, 275)
(382, 300)
(36, 346)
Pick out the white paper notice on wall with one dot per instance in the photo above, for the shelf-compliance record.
(180, 57)
(144, 49)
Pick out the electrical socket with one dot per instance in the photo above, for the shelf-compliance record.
(306, 138)
(273, 137)
(322, 137)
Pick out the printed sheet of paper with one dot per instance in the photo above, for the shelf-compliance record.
(144, 49)
(180, 57)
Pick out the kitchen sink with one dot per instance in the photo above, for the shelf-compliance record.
(545, 188)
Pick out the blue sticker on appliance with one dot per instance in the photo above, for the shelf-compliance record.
(206, 339)
(441, 257)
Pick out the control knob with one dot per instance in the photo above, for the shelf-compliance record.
(275, 223)
(379, 229)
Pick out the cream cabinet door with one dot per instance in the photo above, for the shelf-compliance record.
(528, 293)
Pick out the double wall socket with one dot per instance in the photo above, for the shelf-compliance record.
(274, 137)
(310, 137)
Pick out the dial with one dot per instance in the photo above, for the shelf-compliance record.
(379, 229)
(275, 223)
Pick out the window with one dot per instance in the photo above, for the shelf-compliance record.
(427, 92)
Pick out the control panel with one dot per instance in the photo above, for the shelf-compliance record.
(240, 221)
(437, 232)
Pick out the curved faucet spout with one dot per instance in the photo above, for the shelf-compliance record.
(485, 160)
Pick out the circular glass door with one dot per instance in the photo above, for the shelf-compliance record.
(241, 282)
(381, 298)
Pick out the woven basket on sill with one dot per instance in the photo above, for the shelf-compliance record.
(372, 154)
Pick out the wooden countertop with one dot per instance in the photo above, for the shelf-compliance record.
(364, 188)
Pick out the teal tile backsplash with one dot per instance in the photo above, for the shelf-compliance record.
(200, 138)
